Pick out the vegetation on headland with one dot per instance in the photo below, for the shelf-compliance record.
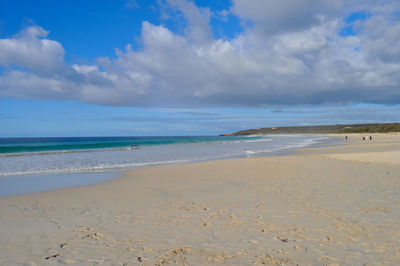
(323, 129)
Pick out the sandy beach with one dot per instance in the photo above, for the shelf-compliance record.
(337, 205)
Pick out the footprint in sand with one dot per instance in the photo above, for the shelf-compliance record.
(283, 239)
(269, 259)
(329, 260)
(94, 236)
(53, 256)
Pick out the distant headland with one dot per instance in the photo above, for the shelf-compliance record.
(322, 129)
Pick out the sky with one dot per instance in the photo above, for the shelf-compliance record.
(184, 67)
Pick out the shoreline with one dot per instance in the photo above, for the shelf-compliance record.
(37, 183)
(302, 208)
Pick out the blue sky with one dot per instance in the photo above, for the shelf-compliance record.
(181, 67)
(88, 30)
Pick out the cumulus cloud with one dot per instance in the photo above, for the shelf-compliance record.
(285, 15)
(292, 53)
(198, 29)
(32, 50)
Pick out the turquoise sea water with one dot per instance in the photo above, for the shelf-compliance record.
(26, 145)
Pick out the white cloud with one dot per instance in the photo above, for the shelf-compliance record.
(285, 15)
(293, 54)
(198, 29)
(30, 49)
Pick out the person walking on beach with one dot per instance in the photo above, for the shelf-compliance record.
(345, 137)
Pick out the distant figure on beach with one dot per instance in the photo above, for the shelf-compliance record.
(345, 137)
(134, 146)
(367, 138)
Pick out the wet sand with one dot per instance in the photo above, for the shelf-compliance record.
(335, 205)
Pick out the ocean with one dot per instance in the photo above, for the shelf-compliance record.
(62, 160)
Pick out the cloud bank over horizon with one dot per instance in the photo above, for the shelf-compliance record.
(292, 52)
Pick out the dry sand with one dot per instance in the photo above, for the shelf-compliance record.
(320, 206)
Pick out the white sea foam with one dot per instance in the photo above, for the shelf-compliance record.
(258, 140)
